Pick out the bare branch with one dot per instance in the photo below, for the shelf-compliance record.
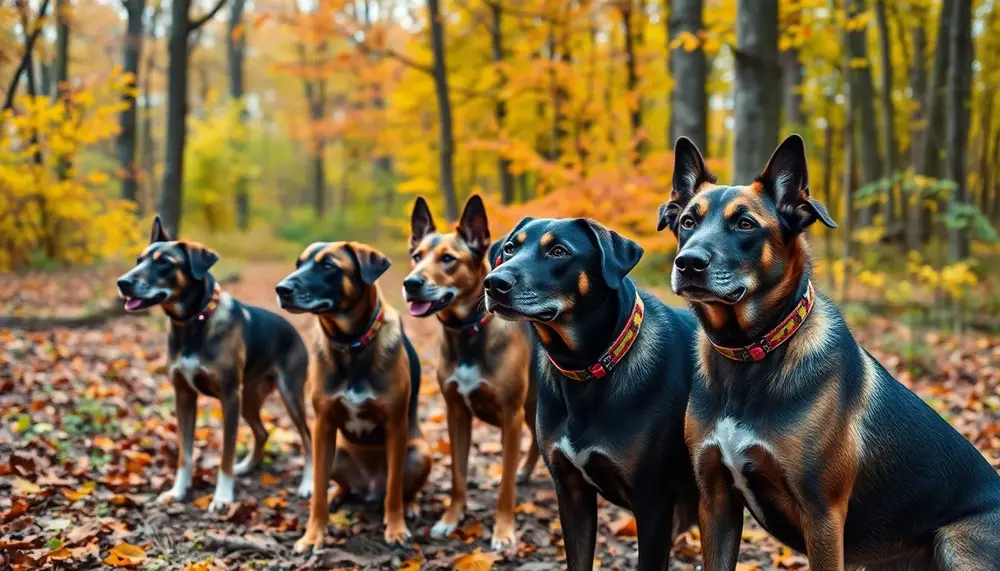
(29, 45)
(195, 24)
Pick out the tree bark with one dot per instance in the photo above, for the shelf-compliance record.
(918, 88)
(626, 8)
(957, 132)
(500, 108)
(63, 9)
(446, 144)
(888, 112)
(864, 104)
(131, 54)
(756, 110)
(25, 66)
(235, 51)
(148, 143)
(689, 99)
(791, 79)
(847, 186)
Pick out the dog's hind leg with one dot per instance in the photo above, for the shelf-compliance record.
(531, 458)
(971, 543)
(252, 401)
(291, 387)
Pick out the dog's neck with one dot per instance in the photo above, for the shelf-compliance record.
(191, 301)
(576, 340)
(354, 321)
(748, 321)
(466, 307)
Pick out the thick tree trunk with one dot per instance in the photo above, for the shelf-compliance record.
(957, 132)
(847, 185)
(171, 198)
(63, 9)
(918, 88)
(689, 100)
(756, 110)
(791, 79)
(317, 172)
(500, 108)
(625, 7)
(864, 104)
(932, 144)
(888, 113)
(131, 54)
(235, 51)
(446, 145)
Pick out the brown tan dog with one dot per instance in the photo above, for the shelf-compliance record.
(484, 366)
(365, 380)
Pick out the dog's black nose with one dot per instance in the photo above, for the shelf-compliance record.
(283, 289)
(413, 284)
(692, 262)
(124, 285)
(499, 282)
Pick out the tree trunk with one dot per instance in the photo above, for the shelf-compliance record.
(932, 143)
(791, 79)
(847, 225)
(317, 171)
(171, 199)
(131, 54)
(864, 104)
(626, 9)
(235, 50)
(63, 9)
(829, 136)
(957, 132)
(888, 113)
(756, 110)
(689, 99)
(918, 88)
(500, 108)
(447, 142)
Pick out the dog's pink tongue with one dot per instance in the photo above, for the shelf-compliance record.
(132, 303)
(419, 307)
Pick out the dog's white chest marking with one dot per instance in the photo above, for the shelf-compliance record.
(354, 400)
(733, 440)
(467, 379)
(187, 366)
(578, 458)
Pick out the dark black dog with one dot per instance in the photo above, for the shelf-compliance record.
(614, 377)
(791, 417)
(221, 348)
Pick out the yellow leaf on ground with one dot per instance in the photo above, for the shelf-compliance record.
(269, 480)
(476, 561)
(275, 502)
(25, 488)
(202, 502)
(209, 564)
(60, 554)
(79, 493)
(341, 518)
(104, 443)
(747, 567)
(413, 564)
(125, 555)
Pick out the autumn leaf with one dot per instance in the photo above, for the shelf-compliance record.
(476, 561)
(209, 564)
(25, 488)
(125, 555)
(341, 518)
(61, 553)
(203, 501)
(79, 493)
(747, 567)
(412, 564)
(785, 558)
(275, 502)
(269, 479)
(624, 526)
(104, 443)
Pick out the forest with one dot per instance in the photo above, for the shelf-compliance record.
(260, 126)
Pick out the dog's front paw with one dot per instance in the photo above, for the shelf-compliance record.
(305, 489)
(170, 496)
(504, 540)
(443, 528)
(396, 533)
(312, 538)
(218, 504)
(224, 493)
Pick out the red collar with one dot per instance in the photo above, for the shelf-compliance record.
(207, 311)
(358, 345)
(471, 327)
(783, 332)
(614, 355)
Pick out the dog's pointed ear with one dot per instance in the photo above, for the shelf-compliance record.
(786, 181)
(200, 259)
(158, 234)
(474, 227)
(690, 173)
(618, 254)
(371, 263)
(421, 222)
(496, 250)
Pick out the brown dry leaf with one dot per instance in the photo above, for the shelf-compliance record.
(747, 567)
(61, 554)
(209, 564)
(476, 561)
(275, 502)
(470, 531)
(624, 526)
(269, 480)
(412, 564)
(18, 507)
(125, 555)
(526, 508)
(202, 502)
(752, 534)
(79, 493)
(785, 558)
(104, 443)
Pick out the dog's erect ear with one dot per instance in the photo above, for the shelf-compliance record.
(473, 226)
(371, 263)
(200, 259)
(158, 234)
(618, 254)
(690, 173)
(786, 180)
(421, 222)
(496, 250)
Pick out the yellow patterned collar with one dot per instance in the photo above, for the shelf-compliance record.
(783, 332)
(615, 353)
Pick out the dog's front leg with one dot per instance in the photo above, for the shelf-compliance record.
(504, 536)
(186, 405)
(577, 513)
(324, 446)
(720, 517)
(654, 517)
(395, 451)
(225, 483)
(460, 435)
(824, 535)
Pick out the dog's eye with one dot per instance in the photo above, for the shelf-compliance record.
(745, 224)
(447, 259)
(416, 257)
(508, 249)
(558, 251)
(687, 222)
(328, 263)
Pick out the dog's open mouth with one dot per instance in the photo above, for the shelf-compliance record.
(140, 303)
(705, 295)
(425, 307)
(509, 313)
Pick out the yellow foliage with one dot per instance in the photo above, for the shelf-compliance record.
(213, 167)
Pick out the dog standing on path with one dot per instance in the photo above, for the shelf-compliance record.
(365, 378)
(790, 417)
(483, 369)
(221, 348)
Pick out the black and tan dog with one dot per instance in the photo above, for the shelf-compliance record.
(790, 416)
(365, 379)
(615, 371)
(220, 348)
(484, 368)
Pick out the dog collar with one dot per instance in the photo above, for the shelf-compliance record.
(615, 354)
(783, 332)
(365, 339)
(471, 327)
(207, 311)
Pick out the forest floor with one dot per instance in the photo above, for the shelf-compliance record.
(87, 441)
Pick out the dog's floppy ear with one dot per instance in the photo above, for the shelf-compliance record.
(200, 259)
(496, 250)
(158, 234)
(690, 173)
(421, 222)
(618, 254)
(371, 263)
(473, 226)
(786, 180)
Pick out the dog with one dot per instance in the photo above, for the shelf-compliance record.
(483, 369)
(365, 379)
(789, 416)
(615, 368)
(221, 348)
